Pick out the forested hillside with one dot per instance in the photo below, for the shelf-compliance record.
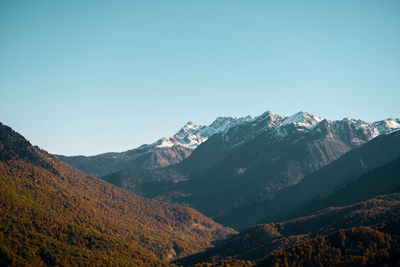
(361, 246)
(53, 214)
(260, 240)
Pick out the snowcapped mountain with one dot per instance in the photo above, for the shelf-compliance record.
(192, 135)
(237, 130)
(233, 132)
(164, 152)
(302, 119)
(226, 169)
(388, 125)
(358, 132)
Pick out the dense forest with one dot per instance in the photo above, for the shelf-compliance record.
(358, 246)
(361, 246)
(53, 214)
(259, 241)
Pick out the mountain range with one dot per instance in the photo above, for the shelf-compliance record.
(247, 163)
(164, 152)
(174, 149)
(302, 190)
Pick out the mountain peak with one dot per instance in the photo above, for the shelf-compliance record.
(387, 125)
(192, 135)
(190, 125)
(266, 114)
(223, 124)
(302, 118)
(392, 123)
(351, 120)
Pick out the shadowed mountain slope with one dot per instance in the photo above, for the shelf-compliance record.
(323, 182)
(259, 241)
(382, 180)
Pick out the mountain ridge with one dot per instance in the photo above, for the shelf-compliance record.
(258, 169)
(178, 147)
(251, 162)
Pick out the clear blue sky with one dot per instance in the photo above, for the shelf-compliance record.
(85, 77)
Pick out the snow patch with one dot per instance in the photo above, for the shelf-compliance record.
(241, 170)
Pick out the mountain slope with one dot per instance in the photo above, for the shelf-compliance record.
(350, 132)
(257, 170)
(232, 131)
(382, 180)
(164, 152)
(349, 167)
(262, 165)
(53, 214)
(235, 172)
(260, 240)
(144, 157)
(360, 246)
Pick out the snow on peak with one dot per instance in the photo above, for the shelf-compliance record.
(392, 123)
(303, 119)
(386, 126)
(189, 126)
(166, 142)
(222, 124)
(192, 135)
(267, 120)
(354, 121)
